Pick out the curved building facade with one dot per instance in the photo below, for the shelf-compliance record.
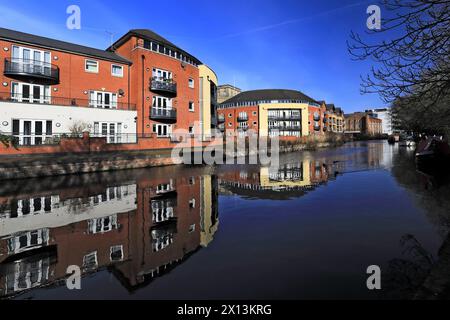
(269, 112)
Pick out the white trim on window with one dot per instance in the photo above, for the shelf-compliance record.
(191, 106)
(191, 83)
(119, 75)
(92, 62)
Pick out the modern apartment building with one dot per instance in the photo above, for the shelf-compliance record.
(226, 91)
(334, 118)
(51, 88)
(164, 83)
(317, 119)
(268, 112)
(143, 86)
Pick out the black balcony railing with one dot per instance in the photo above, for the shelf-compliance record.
(284, 117)
(242, 118)
(221, 119)
(317, 128)
(163, 85)
(285, 128)
(316, 117)
(163, 114)
(26, 68)
(63, 101)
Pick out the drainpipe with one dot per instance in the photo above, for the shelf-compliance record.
(143, 92)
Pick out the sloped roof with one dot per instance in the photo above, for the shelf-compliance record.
(269, 94)
(48, 43)
(152, 36)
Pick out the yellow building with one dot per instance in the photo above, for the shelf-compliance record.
(209, 218)
(208, 100)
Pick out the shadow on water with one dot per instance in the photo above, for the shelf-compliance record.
(419, 274)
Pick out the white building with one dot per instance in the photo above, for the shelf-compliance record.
(385, 116)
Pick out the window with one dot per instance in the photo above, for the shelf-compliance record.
(230, 115)
(91, 66)
(191, 130)
(254, 113)
(230, 124)
(191, 83)
(162, 102)
(32, 132)
(192, 203)
(160, 74)
(90, 261)
(102, 225)
(162, 130)
(116, 253)
(105, 100)
(255, 123)
(191, 106)
(31, 93)
(191, 228)
(192, 180)
(111, 130)
(117, 71)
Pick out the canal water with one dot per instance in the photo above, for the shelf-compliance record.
(306, 230)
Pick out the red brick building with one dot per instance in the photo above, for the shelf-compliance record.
(50, 86)
(363, 123)
(142, 87)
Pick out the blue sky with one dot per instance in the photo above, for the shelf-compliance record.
(292, 44)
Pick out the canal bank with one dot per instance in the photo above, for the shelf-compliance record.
(45, 165)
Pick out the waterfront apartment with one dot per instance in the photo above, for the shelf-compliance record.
(317, 119)
(334, 118)
(165, 84)
(49, 87)
(268, 112)
(143, 86)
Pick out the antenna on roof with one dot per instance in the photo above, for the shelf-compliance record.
(111, 34)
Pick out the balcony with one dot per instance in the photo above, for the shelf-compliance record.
(64, 101)
(221, 127)
(242, 118)
(163, 114)
(221, 118)
(282, 117)
(317, 128)
(316, 117)
(286, 128)
(163, 86)
(25, 70)
(243, 128)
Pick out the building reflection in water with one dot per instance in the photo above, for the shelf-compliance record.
(135, 226)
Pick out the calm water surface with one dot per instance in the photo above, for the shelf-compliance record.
(306, 230)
